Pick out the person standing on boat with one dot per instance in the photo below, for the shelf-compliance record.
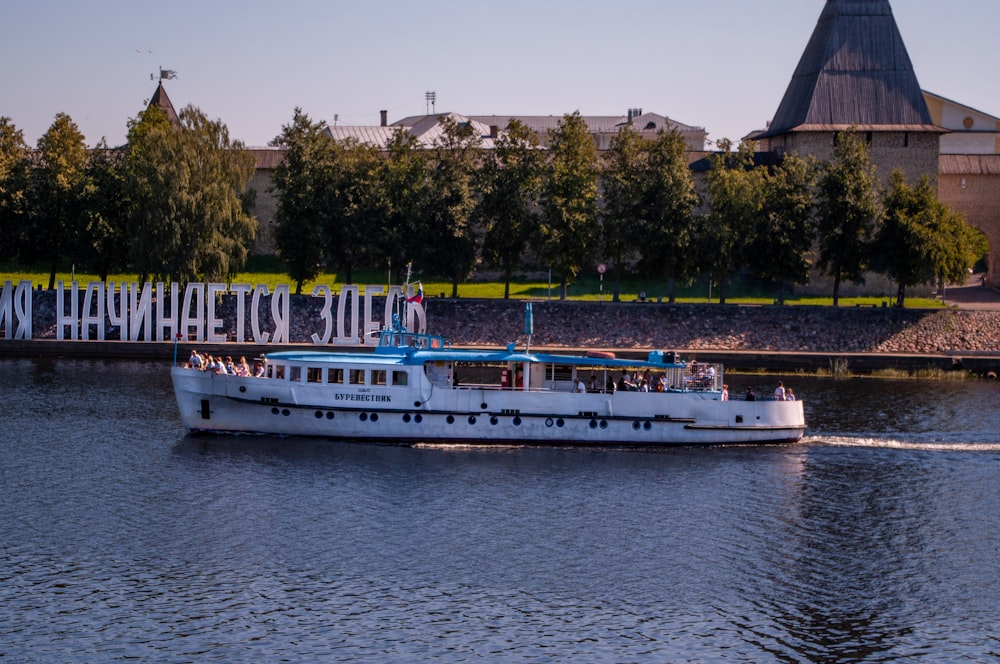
(725, 392)
(779, 392)
(580, 387)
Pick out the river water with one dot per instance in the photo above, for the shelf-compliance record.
(121, 538)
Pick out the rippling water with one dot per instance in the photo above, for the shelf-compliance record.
(122, 538)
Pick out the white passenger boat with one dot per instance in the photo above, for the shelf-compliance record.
(415, 388)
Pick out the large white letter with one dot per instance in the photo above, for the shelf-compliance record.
(214, 336)
(175, 310)
(240, 291)
(325, 315)
(95, 291)
(195, 292)
(118, 317)
(62, 320)
(141, 312)
(370, 328)
(343, 338)
(280, 313)
(258, 336)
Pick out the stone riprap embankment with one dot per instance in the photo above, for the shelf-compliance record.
(708, 327)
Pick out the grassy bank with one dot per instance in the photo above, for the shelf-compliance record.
(588, 288)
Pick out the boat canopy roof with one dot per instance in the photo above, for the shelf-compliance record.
(420, 357)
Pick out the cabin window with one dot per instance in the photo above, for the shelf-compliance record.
(295, 374)
(400, 378)
(279, 372)
(378, 377)
(356, 377)
(336, 376)
(314, 375)
(562, 372)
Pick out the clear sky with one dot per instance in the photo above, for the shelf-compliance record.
(720, 64)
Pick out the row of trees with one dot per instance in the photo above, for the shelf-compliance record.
(169, 205)
(172, 204)
(343, 205)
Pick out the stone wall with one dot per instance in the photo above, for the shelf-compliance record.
(652, 325)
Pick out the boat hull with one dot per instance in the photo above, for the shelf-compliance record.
(211, 402)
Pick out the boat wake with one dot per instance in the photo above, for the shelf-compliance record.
(893, 443)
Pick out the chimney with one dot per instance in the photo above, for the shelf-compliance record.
(494, 131)
(385, 118)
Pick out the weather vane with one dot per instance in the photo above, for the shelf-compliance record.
(164, 74)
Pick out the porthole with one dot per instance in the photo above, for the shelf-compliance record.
(635, 425)
(363, 417)
(593, 424)
(494, 420)
(416, 404)
(647, 426)
(329, 415)
(374, 417)
(275, 411)
(406, 417)
(243, 388)
(560, 423)
(319, 414)
(472, 419)
(418, 418)
(517, 421)
(450, 419)
(286, 412)
(483, 406)
(604, 424)
(548, 422)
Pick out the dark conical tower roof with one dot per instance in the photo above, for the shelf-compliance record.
(161, 99)
(854, 71)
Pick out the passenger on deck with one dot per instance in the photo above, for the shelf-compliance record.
(243, 369)
(594, 387)
(195, 360)
(750, 396)
(258, 370)
(779, 392)
(580, 387)
(725, 392)
(789, 395)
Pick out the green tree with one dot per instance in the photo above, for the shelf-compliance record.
(848, 211)
(353, 202)
(666, 229)
(736, 192)
(783, 238)
(106, 239)
(508, 182)
(14, 169)
(447, 217)
(624, 192)
(57, 218)
(403, 180)
(301, 183)
(920, 240)
(567, 232)
(188, 216)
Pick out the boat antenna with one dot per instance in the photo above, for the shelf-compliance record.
(529, 326)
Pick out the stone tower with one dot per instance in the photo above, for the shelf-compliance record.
(855, 72)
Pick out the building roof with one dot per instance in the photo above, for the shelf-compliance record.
(161, 99)
(969, 164)
(427, 129)
(596, 124)
(855, 71)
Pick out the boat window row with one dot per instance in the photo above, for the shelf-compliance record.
(337, 375)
